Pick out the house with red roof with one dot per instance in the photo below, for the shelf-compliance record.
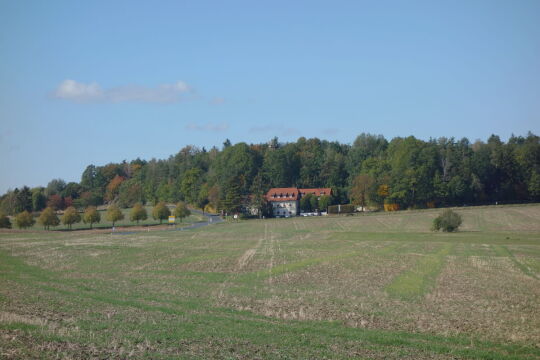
(286, 201)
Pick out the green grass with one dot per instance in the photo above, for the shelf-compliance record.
(419, 280)
(379, 286)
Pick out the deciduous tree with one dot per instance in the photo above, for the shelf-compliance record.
(48, 218)
(138, 213)
(161, 212)
(324, 202)
(114, 214)
(448, 221)
(91, 216)
(4, 221)
(361, 189)
(39, 200)
(70, 217)
(181, 211)
(24, 220)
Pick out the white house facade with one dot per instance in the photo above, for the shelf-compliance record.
(286, 201)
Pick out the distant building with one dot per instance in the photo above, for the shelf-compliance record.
(286, 201)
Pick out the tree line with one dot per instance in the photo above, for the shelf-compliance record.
(372, 171)
(49, 216)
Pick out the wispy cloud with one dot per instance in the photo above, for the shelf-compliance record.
(275, 130)
(331, 131)
(209, 127)
(92, 92)
(217, 100)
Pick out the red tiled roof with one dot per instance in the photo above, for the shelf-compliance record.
(316, 192)
(282, 194)
(288, 194)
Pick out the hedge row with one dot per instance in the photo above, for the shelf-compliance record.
(341, 209)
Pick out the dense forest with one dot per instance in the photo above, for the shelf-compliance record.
(403, 172)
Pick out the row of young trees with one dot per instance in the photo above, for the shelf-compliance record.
(48, 216)
(407, 172)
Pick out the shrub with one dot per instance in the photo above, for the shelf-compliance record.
(48, 218)
(24, 220)
(181, 211)
(448, 221)
(341, 209)
(114, 214)
(138, 213)
(161, 212)
(70, 217)
(91, 216)
(4, 221)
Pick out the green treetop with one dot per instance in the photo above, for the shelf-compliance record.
(181, 211)
(114, 214)
(48, 218)
(91, 216)
(161, 212)
(138, 213)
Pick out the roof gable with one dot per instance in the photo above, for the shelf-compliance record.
(316, 191)
(282, 194)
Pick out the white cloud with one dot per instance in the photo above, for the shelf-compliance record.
(221, 127)
(92, 92)
(72, 90)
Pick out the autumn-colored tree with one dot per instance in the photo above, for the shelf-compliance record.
(383, 191)
(360, 189)
(56, 202)
(161, 212)
(48, 218)
(114, 214)
(113, 187)
(213, 196)
(70, 217)
(138, 213)
(24, 220)
(91, 216)
(68, 201)
(181, 211)
(4, 221)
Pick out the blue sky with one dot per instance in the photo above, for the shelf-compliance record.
(102, 81)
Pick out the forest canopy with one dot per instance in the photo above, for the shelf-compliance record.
(372, 171)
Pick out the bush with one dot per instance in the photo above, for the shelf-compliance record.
(341, 209)
(70, 217)
(4, 221)
(448, 221)
(161, 212)
(48, 218)
(91, 216)
(24, 220)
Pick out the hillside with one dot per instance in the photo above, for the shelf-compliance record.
(377, 286)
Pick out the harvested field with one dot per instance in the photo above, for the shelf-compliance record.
(377, 286)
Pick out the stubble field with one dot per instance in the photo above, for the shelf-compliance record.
(377, 286)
